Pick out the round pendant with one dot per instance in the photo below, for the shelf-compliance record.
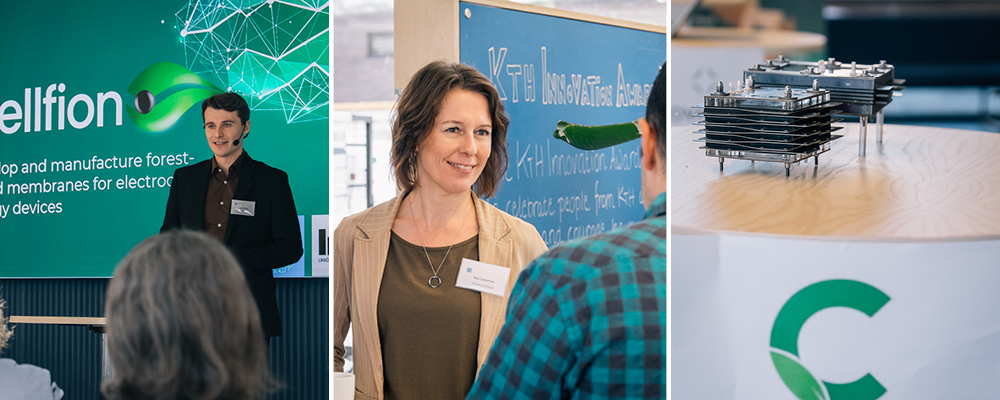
(434, 282)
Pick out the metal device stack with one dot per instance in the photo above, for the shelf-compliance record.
(768, 124)
(862, 89)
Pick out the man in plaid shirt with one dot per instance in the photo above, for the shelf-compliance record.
(587, 319)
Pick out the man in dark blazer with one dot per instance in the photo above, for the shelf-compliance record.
(244, 203)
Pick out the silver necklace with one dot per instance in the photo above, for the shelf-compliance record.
(434, 281)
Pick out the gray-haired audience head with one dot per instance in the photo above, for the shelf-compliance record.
(181, 323)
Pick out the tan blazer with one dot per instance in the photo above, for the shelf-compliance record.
(361, 243)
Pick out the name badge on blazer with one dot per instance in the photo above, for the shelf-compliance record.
(482, 277)
(242, 207)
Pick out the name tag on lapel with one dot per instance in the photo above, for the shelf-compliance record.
(242, 207)
(482, 277)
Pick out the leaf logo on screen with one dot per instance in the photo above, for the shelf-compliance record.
(163, 93)
(785, 338)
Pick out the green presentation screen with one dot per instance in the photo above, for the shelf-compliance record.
(85, 167)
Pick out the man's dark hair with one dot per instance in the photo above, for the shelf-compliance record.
(228, 101)
(656, 110)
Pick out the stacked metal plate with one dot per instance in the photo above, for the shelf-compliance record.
(768, 124)
(861, 89)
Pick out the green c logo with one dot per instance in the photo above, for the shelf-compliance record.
(785, 338)
(153, 116)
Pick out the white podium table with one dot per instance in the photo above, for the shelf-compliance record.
(914, 223)
(921, 183)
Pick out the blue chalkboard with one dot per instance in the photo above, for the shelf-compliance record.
(549, 69)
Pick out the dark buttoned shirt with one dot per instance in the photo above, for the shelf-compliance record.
(219, 197)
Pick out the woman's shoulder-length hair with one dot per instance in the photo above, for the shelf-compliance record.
(417, 108)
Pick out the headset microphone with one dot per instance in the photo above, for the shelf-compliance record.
(237, 141)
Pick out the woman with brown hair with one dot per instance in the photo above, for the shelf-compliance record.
(416, 334)
(181, 324)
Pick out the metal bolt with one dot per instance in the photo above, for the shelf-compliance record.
(788, 92)
(468, 13)
(719, 88)
(815, 85)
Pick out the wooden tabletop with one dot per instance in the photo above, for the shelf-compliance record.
(57, 320)
(773, 41)
(921, 183)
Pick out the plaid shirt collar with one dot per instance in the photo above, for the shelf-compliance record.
(659, 207)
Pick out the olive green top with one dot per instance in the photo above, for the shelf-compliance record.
(429, 336)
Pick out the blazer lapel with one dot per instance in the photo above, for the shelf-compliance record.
(199, 189)
(371, 247)
(246, 182)
(495, 247)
